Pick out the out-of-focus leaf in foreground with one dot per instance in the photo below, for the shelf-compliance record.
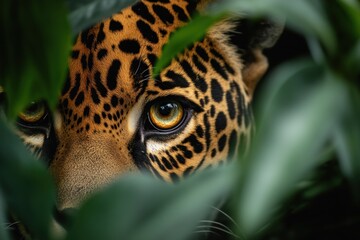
(26, 184)
(345, 20)
(85, 13)
(3, 233)
(347, 139)
(351, 63)
(184, 37)
(307, 16)
(287, 147)
(34, 45)
(143, 208)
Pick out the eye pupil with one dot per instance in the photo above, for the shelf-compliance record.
(166, 110)
(33, 108)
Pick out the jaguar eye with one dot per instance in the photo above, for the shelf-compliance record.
(166, 115)
(33, 113)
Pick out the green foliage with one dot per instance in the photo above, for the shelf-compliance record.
(309, 115)
(26, 184)
(3, 233)
(313, 23)
(184, 37)
(291, 128)
(149, 209)
(346, 139)
(34, 45)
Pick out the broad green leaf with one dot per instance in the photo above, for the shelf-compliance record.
(194, 31)
(27, 186)
(351, 12)
(306, 16)
(143, 208)
(34, 45)
(3, 224)
(288, 144)
(85, 13)
(352, 3)
(347, 138)
(345, 19)
(351, 63)
(278, 78)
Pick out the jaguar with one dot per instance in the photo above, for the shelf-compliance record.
(114, 117)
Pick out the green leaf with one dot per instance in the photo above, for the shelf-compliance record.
(85, 13)
(287, 146)
(26, 184)
(351, 63)
(306, 16)
(143, 208)
(3, 233)
(347, 139)
(194, 31)
(278, 79)
(345, 19)
(34, 48)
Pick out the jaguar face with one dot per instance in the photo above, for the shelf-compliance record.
(114, 118)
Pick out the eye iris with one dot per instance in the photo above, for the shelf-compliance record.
(33, 113)
(166, 115)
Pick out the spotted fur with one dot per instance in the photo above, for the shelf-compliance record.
(101, 127)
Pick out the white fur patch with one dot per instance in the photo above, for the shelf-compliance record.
(34, 140)
(57, 121)
(153, 146)
(134, 115)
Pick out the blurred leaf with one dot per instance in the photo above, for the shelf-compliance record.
(85, 13)
(3, 233)
(27, 186)
(143, 208)
(287, 146)
(348, 17)
(34, 46)
(345, 18)
(351, 63)
(279, 77)
(347, 139)
(306, 16)
(316, 50)
(346, 23)
(194, 31)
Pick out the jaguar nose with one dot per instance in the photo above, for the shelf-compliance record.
(65, 216)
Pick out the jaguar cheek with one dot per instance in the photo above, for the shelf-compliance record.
(82, 166)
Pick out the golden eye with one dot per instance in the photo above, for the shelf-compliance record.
(166, 115)
(33, 113)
